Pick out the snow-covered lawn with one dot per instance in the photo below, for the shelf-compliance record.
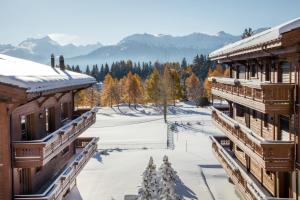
(132, 136)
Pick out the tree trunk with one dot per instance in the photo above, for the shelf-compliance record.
(165, 110)
(111, 102)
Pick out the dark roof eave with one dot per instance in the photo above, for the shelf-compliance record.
(31, 95)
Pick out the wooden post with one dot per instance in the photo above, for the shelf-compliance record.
(6, 188)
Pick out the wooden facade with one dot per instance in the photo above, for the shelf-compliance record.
(260, 152)
(40, 151)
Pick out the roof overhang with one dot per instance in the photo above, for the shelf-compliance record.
(263, 43)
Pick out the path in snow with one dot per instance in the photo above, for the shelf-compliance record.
(132, 136)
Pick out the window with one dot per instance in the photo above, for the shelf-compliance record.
(24, 178)
(254, 114)
(26, 126)
(284, 72)
(240, 112)
(267, 72)
(50, 120)
(284, 133)
(242, 72)
(266, 120)
(64, 111)
(253, 71)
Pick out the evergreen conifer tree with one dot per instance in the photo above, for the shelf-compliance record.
(150, 184)
(87, 70)
(168, 177)
(183, 63)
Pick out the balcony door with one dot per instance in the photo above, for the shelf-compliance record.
(284, 72)
(241, 72)
(284, 185)
(24, 176)
(284, 128)
(27, 127)
(268, 72)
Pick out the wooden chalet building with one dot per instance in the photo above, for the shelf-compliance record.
(40, 151)
(260, 151)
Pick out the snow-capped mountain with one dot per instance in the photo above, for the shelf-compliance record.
(40, 49)
(194, 40)
(147, 47)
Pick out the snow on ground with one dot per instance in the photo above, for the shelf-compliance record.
(133, 135)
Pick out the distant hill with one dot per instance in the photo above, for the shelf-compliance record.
(137, 47)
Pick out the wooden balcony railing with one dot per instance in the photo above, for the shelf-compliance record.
(245, 183)
(66, 180)
(262, 96)
(35, 153)
(272, 155)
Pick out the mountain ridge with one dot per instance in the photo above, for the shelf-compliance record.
(139, 47)
(148, 47)
(40, 49)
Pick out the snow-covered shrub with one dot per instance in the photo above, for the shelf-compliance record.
(168, 177)
(150, 184)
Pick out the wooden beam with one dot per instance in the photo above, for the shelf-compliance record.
(60, 96)
(43, 101)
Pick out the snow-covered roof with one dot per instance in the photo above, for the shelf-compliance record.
(36, 77)
(269, 38)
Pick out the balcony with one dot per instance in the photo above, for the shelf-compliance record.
(36, 153)
(262, 96)
(248, 186)
(272, 155)
(85, 148)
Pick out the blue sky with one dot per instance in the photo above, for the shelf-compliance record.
(108, 21)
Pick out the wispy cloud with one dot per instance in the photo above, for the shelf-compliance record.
(64, 39)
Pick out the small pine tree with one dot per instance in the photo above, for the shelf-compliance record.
(87, 70)
(168, 181)
(183, 63)
(247, 33)
(150, 185)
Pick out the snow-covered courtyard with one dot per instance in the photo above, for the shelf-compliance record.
(128, 137)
